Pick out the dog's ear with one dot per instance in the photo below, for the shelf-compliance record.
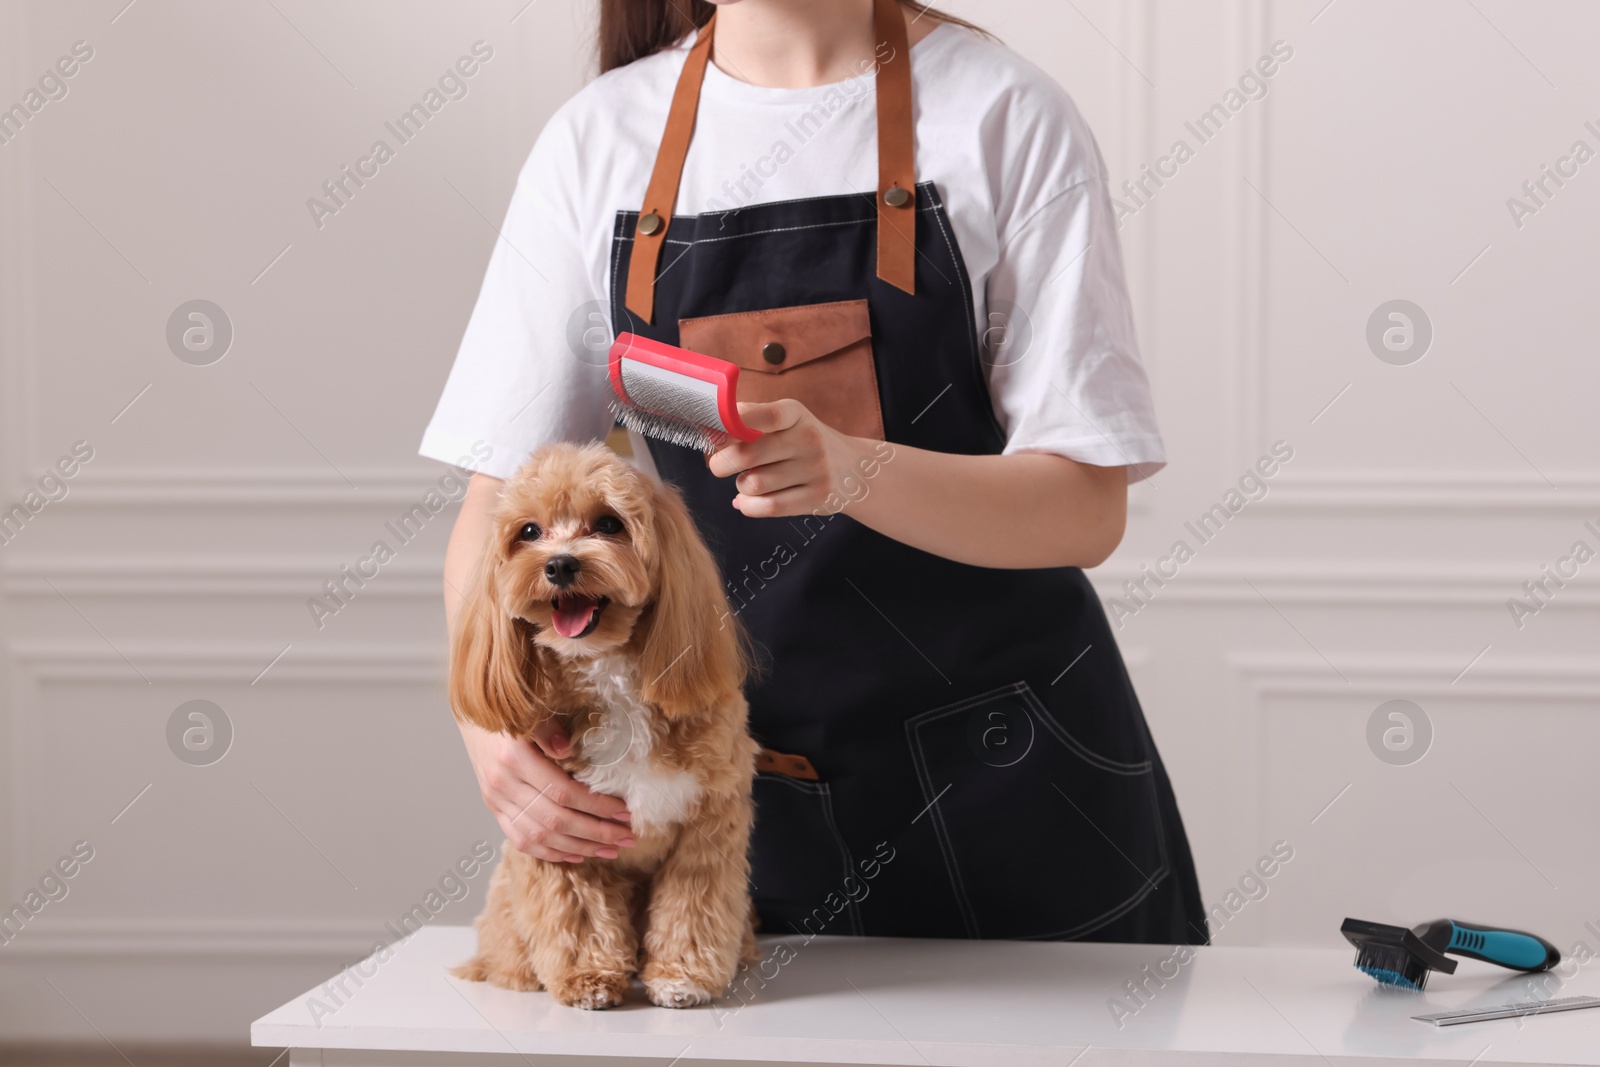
(691, 647)
(497, 680)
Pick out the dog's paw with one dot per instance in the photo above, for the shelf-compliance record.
(474, 970)
(669, 987)
(480, 969)
(592, 990)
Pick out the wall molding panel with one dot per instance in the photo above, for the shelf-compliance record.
(255, 574)
(294, 578)
(244, 940)
(184, 661)
(1431, 493)
(259, 574)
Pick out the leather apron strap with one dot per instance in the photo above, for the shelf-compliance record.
(650, 230)
(897, 171)
(897, 176)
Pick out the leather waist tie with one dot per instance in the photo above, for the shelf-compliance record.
(784, 763)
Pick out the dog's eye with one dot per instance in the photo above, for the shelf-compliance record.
(608, 524)
(530, 532)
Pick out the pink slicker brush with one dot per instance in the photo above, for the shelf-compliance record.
(674, 395)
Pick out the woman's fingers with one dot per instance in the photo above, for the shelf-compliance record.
(567, 792)
(800, 501)
(774, 444)
(540, 808)
(771, 417)
(552, 740)
(520, 839)
(541, 821)
(743, 455)
(558, 811)
(606, 808)
(774, 477)
(789, 470)
(535, 768)
(560, 790)
(542, 803)
(527, 834)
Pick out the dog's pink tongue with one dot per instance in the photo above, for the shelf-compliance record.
(572, 614)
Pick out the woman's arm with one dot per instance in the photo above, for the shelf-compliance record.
(541, 810)
(1024, 510)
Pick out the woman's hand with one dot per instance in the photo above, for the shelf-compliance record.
(1024, 510)
(541, 809)
(798, 466)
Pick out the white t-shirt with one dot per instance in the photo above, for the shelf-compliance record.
(1021, 177)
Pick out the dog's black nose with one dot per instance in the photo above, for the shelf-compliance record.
(562, 571)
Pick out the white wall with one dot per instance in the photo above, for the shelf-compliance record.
(1377, 567)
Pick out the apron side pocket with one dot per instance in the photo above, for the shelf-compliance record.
(802, 876)
(1042, 837)
(818, 354)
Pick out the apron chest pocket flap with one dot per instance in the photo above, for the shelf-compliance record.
(818, 354)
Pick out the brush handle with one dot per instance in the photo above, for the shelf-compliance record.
(1512, 949)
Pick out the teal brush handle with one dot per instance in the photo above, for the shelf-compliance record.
(1512, 949)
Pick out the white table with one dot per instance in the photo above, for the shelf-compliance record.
(937, 1003)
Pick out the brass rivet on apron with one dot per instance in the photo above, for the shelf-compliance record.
(895, 196)
(649, 224)
(773, 352)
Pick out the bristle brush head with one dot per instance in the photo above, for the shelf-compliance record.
(662, 427)
(1391, 966)
(1393, 955)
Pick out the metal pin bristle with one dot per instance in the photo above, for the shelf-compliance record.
(672, 430)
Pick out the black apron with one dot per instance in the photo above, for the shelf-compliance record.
(953, 751)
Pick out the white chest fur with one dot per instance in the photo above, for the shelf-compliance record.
(618, 750)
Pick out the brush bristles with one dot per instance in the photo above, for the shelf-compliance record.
(1392, 965)
(674, 431)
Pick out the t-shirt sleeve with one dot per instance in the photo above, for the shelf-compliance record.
(531, 367)
(1064, 367)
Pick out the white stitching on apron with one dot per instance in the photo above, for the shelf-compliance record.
(1056, 730)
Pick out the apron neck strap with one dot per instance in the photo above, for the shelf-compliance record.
(897, 176)
(897, 171)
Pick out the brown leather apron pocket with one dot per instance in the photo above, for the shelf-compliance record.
(818, 354)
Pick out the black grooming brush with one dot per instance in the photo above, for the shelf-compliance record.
(1394, 955)
(1397, 956)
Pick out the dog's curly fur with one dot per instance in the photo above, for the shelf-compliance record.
(651, 695)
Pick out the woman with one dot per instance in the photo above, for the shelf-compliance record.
(856, 201)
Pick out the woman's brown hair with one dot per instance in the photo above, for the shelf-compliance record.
(633, 29)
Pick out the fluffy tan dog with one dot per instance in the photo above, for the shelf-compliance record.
(597, 603)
